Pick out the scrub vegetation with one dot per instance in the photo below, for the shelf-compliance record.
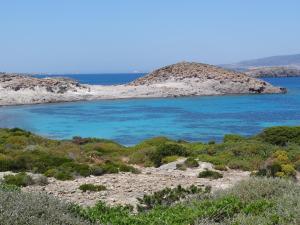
(274, 152)
(271, 196)
(259, 201)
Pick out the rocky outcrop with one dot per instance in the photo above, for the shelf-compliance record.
(217, 80)
(274, 72)
(57, 85)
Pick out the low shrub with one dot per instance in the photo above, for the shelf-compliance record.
(212, 142)
(220, 167)
(142, 156)
(20, 180)
(297, 165)
(108, 215)
(210, 174)
(181, 166)
(97, 171)
(167, 197)
(9, 187)
(167, 150)
(240, 164)
(169, 159)
(51, 172)
(19, 208)
(191, 162)
(92, 187)
(116, 167)
(278, 165)
(232, 138)
(60, 175)
(281, 135)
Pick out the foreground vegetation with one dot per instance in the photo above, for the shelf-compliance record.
(274, 152)
(261, 201)
(272, 197)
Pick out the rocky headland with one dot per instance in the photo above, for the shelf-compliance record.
(181, 79)
(278, 71)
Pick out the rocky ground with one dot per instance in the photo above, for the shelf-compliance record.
(125, 188)
(181, 79)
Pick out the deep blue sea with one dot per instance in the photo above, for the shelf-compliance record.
(130, 121)
(104, 79)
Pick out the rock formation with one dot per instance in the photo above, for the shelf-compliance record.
(217, 80)
(58, 85)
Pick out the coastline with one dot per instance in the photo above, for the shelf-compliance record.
(187, 88)
(131, 98)
(177, 80)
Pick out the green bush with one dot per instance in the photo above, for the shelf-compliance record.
(278, 165)
(92, 187)
(297, 165)
(167, 150)
(20, 180)
(51, 173)
(9, 187)
(191, 162)
(169, 159)
(210, 174)
(281, 135)
(167, 197)
(212, 142)
(97, 171)
(232, 138)
(116, 167)
(220, 167)
(60, 175)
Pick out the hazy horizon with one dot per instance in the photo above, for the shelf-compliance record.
(64, 36)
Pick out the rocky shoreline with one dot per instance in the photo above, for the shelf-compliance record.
(181, 79)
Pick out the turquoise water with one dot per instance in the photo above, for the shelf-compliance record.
(130, 121)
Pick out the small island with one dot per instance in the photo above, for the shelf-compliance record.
(181, 79)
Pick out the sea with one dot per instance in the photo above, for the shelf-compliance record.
(130, 121)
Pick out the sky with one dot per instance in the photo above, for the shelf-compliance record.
(121, 36)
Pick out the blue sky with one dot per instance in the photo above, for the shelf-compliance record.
(98, 36)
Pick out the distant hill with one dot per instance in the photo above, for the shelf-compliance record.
(273, 61)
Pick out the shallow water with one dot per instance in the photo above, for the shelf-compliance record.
(130, 121)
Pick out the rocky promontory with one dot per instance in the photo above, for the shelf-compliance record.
(204, 79)
(181, 79)
(278, 71)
